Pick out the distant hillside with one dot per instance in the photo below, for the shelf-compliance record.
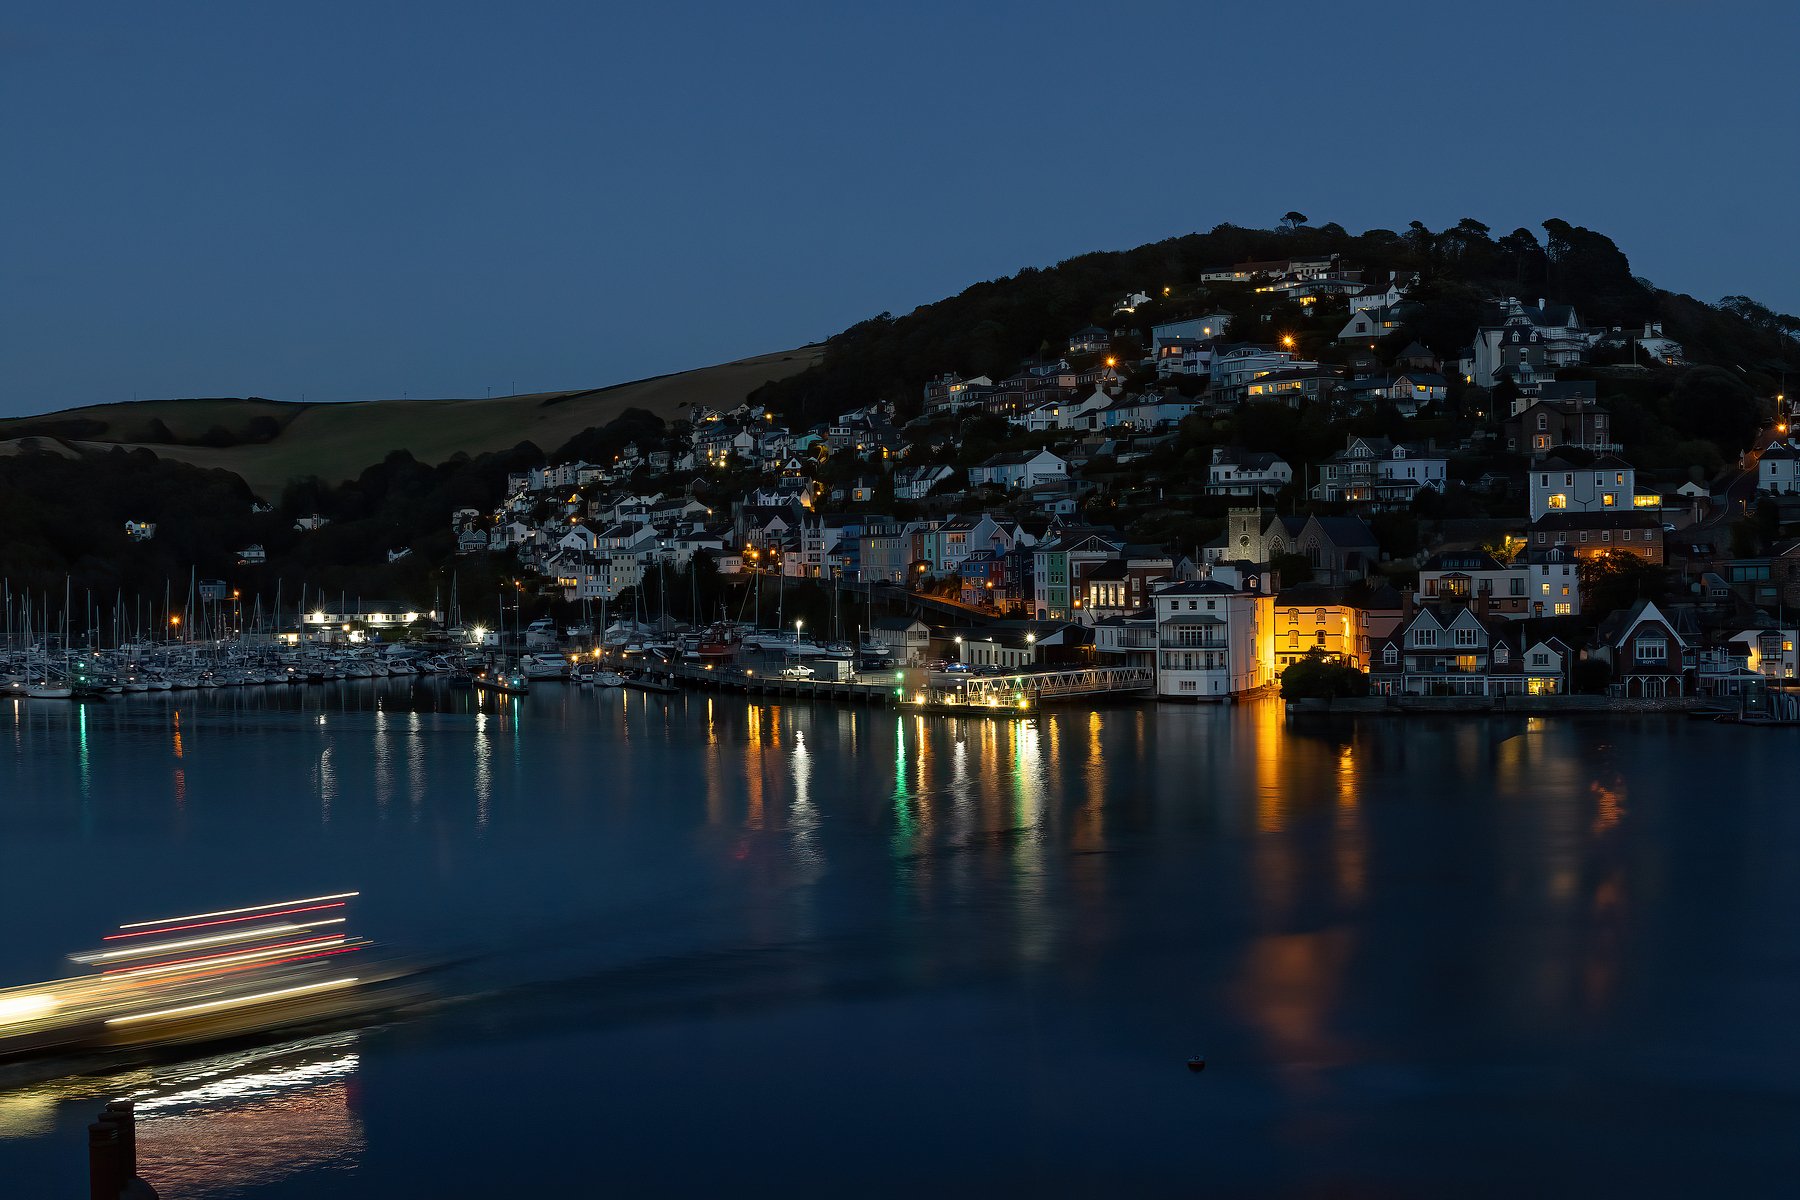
(267, 443)
(989, 327)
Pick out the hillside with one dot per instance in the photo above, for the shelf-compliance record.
(988, 328)
(266, 443)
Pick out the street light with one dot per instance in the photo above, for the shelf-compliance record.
(959, 648)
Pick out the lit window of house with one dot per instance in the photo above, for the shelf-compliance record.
(1558, 500)
(1562, 610)
(1608, 500)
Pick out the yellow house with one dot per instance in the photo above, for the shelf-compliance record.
(1301, 627)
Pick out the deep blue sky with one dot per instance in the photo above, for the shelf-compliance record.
(364, 200)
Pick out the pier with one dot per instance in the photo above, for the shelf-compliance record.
(919, 691)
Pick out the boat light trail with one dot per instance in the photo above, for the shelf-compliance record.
(232, 1001)
(286, 912)
(232, 912)
(273, 950)
(242, 935)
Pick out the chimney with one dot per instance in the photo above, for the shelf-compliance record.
(1406, 607)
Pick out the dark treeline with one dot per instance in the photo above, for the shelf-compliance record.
(63, 517)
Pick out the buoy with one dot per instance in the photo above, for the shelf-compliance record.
(1196, 1063)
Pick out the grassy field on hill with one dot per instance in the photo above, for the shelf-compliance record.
(337, 441)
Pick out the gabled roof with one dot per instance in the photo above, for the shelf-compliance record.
(1619, 624)
(1346, 532)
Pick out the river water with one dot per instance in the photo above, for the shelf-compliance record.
(706, 943)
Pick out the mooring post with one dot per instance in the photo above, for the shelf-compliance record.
(106, 1161)
(123, 1113)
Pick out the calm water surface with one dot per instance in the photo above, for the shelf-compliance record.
(713, 944)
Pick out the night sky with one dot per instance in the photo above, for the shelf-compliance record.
(352, 201)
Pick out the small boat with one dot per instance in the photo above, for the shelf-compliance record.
(608, 679)
(544, 666)
(507, 684)
(48, 691)
(644, 683)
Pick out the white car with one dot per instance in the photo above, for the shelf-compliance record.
(797, 672)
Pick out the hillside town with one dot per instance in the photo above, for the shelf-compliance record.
(1477, 528)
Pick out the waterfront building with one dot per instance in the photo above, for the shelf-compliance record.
(1213, 640)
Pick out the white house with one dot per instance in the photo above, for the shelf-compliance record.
(578, 540)
(1367, 325)
(915, 483)
(1373, 469)
(1209, 638)
(1778, 470)
(1235, 472)
(1556, 486)
(1012, 471)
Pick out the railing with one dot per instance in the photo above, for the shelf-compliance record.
(1050, 685)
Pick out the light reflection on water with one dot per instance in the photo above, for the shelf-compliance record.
(1340, 905)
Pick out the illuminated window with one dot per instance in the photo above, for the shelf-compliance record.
(1562, 610)
(1607, 500)
(1558, 501)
